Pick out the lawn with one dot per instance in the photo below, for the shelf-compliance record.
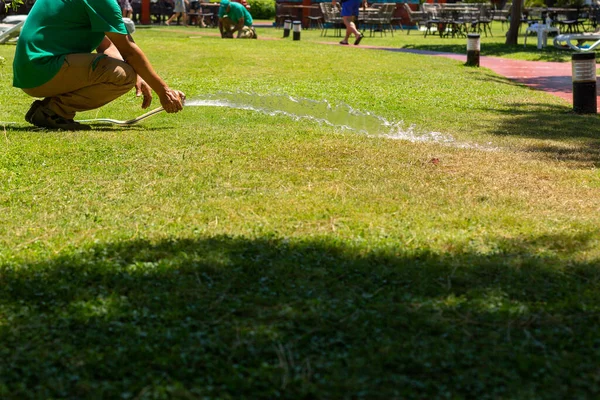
(240, 253)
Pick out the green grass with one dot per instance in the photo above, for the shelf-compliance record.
(492, 45)
(225, 253)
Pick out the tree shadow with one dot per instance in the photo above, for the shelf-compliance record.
(577, 136)
(548, 53)
(235, 317)
(550, 84)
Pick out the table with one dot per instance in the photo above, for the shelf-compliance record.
(542, 33)
(302, 11)
(214, 10)
(365, 13)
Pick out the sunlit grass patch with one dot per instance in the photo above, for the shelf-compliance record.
(225, 252)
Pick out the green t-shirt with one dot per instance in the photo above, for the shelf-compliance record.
(237, 11)
(56, 28)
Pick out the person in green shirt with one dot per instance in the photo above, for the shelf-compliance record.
(55, 60)
(234, 17)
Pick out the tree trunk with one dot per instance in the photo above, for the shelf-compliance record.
(515, 22)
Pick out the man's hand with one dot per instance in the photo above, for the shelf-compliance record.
(143, 89)
(172, 101)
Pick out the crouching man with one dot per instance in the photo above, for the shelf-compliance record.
(55, 60)
(234, 17)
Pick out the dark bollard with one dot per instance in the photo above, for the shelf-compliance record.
(473, 48)
(297, 29)
(584, 83)
(287, 26)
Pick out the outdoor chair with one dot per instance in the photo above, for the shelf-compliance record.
(433, 19)
(542, 31)
(577, 41)
(208, 16)
(535, 16)
(451, 23)
(381, 20)
(502, 15)
(331, 19)
(396, 20)
(467, 19)
(282, 14)
(570, 22)
(527, 18)
(194, 13)
(415, 18)
(594, 18)
(484, 21)
(11, 27)
(315, 19)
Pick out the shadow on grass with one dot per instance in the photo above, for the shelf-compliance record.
(275, 318)
(576, 135)
(548, 53)
(95, 128)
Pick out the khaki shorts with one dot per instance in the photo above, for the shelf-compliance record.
(247, 32)
(85, 82)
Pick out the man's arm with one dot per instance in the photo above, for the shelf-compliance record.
(107, 47)
(141, 87)
(239, 25)
(171, 100)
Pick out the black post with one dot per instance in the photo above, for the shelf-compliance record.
(473, 47)
(287, 25)
(584, 83)
(297, 29)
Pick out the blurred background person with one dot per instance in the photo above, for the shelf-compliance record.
(126, 9)
(234, 17)
(350, 10)
(179, 10)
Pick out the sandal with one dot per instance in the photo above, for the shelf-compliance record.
(344, 43)
(358, 39)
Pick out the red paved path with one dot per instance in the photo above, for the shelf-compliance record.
(552, 77)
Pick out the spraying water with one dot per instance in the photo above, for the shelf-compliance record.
(340, 116)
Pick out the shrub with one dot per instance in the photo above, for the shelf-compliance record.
(262, 9)
(535, 3)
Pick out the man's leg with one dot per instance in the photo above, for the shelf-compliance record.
(247, 32)
(85, 82)
(228, 26)
(350, 27)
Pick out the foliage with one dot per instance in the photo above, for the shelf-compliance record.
(535, 3)
(570, 3)
(262, 9)
(476, 2)
(14, 4)
(228, 253)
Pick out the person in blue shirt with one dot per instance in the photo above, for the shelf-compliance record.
(349, 12)
(234, 17)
